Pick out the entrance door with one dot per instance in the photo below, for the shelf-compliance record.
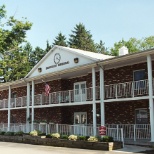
(80, 121)
(80, 91)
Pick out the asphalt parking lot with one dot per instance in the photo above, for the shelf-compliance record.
(17, 148)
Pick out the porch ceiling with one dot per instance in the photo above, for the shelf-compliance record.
(126, 62)
(68, 75)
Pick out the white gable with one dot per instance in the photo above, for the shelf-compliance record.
(58, 60)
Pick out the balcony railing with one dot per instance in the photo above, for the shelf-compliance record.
(126, 89)
(112, 91)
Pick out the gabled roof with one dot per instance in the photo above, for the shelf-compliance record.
(86, 54)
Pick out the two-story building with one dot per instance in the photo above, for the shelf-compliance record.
(86, 89)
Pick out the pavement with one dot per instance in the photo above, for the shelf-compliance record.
(18, 148)
(134, 149)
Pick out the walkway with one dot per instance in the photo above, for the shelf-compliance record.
(17, 148)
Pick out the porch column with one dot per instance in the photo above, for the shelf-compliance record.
(9, 112)
(28, 102)
(33, 92)
(102, 105)
(151, 105)
(94, 100)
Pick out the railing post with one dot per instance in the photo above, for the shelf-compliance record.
(132, 88)
(122, 137)
(57, 128)
(41, 99)
(69, 96)
(59, 97)
(117, 132)
(49, 98)
(116, 92)
(134, 132)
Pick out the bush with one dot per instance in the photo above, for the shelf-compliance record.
(93, 139)
(73, 137)
(55, 135)
(35, 133)
(106, 139)
(82, 138)
(9, 134)
(64, 137)
(48, 136)
(2, 133)
(20, 133)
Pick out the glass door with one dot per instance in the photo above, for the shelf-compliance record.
(80, 121)
(80, 91)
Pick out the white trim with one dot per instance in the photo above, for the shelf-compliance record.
(94, 100)
(126, 99)
(137, 71)
(75, 113)
(138, 110)
(151, 102)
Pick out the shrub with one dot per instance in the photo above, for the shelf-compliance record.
(55, 135)
(107, 139)
(2, 133)
(20, 133)
(93, 139)
(64, 137)
(73, 137)
(48, 136)
(35, 133)
(9, 134)
(82, 138)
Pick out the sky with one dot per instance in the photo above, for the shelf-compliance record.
(107, 20)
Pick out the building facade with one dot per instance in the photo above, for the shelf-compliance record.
(86, 89)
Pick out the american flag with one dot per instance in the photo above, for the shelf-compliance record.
(47, 89)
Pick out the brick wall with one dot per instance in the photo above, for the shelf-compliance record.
(116, 112)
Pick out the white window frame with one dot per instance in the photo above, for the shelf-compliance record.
(139, 110)
(135, 88)
(75, 113)
(79, 83)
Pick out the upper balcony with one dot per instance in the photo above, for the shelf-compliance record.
(113, 92)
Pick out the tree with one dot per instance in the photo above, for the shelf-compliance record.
(36, 55)
(81, 39)
(132, 44)
(14, 63)
(100, 48)
(60, 40)
(147, 43)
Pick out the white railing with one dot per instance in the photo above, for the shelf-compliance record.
(126, 89)
(112, 91)
(133, 131)
(64, 129)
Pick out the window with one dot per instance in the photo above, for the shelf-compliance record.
(80, 117)
(80, 91)
(139, 77)
(141, 116)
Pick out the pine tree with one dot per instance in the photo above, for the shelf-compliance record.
(81, 39)
(60, 40)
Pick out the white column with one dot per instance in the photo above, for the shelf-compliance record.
(9, 112)
(28, 102)
(94, 100)
(151, 105)
(33, 92)
(102, 105)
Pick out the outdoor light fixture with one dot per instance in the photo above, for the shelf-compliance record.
(39, 69)
(76, 60)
